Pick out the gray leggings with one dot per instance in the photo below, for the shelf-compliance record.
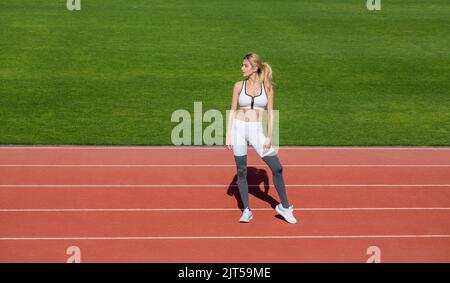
(277, 172)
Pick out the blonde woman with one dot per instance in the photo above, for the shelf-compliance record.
(254, 94)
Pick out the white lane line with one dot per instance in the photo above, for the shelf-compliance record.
(207, 186)
(223, 237)
(433, 148)
(213, 209)
(222, 165)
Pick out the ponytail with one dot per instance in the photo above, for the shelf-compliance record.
(265, 74)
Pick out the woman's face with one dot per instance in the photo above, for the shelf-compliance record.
(247, 69)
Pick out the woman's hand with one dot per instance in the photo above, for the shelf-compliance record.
(267, 144)
(228, 144)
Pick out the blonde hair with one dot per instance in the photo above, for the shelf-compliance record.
(264, 69)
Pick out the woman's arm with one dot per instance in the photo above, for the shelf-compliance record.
(234, 102)
(270, 94)
(268, 141)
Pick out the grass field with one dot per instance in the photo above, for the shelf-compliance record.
(114, 72)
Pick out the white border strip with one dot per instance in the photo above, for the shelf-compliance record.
(213, 209)
(208, 186)
(223, 237)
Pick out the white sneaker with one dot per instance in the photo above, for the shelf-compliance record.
(247, 215)
(287, 213)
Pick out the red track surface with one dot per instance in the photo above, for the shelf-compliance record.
(168, 204)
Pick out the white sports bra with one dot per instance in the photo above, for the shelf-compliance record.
(252, 102)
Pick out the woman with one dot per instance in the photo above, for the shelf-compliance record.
(254, 94)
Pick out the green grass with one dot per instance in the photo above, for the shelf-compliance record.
(114, 72)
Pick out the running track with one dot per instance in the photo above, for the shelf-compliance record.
(180, 204)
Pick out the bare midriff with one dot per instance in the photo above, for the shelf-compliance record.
(249, 115)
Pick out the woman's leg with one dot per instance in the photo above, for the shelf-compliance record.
(257, 139)
(283, 209)
(239, 144)
(277, 172)
(241, 165)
